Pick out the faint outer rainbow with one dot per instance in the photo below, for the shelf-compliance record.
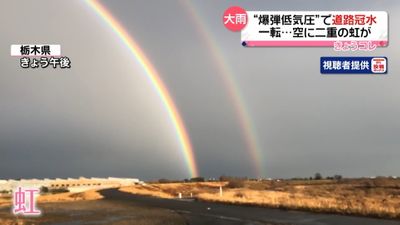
(155, 80)
(231, 87)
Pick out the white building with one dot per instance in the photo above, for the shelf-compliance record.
(71, 184)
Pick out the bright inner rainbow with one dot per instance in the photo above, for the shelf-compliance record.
(155, 80)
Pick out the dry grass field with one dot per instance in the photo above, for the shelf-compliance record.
(172, 190)
(368, 197)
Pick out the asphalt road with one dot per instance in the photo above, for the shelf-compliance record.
(204, 213)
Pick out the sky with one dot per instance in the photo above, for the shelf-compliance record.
(103, 117)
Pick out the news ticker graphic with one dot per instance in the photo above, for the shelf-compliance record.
(353, 65)
(40, 56)
(314, 28)
(345, 31)
(307, 28)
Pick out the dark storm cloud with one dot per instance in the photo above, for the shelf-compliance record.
(101, 119)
